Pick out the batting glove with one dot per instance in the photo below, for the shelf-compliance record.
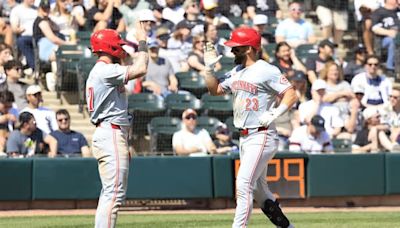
(210, 56)
(267, 118)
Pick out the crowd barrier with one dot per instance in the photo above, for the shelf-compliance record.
(291, 176)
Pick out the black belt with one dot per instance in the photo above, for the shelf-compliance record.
(247, 131)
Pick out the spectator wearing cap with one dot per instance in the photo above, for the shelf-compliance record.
(105, 14)
(13, 71)
(212, 16)
(148, 20)
(260, 22)
(22, 17)
(234, 8)
(69, 142)
(196, 60)
(286, 60)
(386, 25)
(223, 141)
(28, 140)
(356, 65)
(192, 16)
(393, 116)
(333, 17)
(130, 11)
(45, 34)
(45, 118)
(311, 138)
(181, 44)
(190, 140)
(160, 77)
(7, 118)
(315, 64)
(162, 37)
(317, 106)
(363, 10)
(377, 87)
(173, 11)
(270, 8)
(373, 137)
(295, 30)
(299, 82)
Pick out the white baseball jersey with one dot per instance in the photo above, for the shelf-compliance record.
(300, 140)
(105, 94)
(255, 89)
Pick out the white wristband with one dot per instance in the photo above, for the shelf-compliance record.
(282, 108)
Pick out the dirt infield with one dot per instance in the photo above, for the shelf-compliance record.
(225, 211)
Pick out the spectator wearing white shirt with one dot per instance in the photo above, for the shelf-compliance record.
(190, 140)
(311, 138)
(316, 106)
(295, 30)
(45, 118)
(377, 88)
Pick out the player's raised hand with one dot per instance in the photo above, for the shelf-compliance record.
(140, 32)
(210, 56)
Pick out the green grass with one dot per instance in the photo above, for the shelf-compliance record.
(300, 220)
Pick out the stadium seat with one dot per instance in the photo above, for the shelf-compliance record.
(67, 57)
(83, 37)
(83, 69)
(208, 123)
(193, 83)
(237, 21)
(342, 145)
(234, 131)
(220, 107)
(161, 130)
(270, 50)
(144, 106)
(224, 33)
(177, 103)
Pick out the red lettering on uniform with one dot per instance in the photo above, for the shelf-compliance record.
(90, 100)
(245, 86)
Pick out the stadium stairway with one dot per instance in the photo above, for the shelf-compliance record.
(79, 122)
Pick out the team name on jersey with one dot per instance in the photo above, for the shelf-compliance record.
(245, 86)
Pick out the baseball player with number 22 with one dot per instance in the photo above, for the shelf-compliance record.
(255, 86)
(107, 104)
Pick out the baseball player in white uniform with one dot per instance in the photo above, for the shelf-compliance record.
(107, 104)
(255, 85)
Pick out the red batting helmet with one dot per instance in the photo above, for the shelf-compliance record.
(244, 37)
(108, 41)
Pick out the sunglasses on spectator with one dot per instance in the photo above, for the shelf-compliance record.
(373, 64)
(296, 9)
(191, 116)
(63, 119)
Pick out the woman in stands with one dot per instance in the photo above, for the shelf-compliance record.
(46, 33)
(195, 59)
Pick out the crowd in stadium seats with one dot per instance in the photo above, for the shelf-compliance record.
(349, 83)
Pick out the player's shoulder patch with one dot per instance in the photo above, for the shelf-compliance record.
(283, 80)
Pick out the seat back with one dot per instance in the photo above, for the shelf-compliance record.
(208, 123)
(342, 145)
(234, 131)
(161, 130)
(143, 107)
(193, 83)
(83, 69)
(217, 106)
(177, 103)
